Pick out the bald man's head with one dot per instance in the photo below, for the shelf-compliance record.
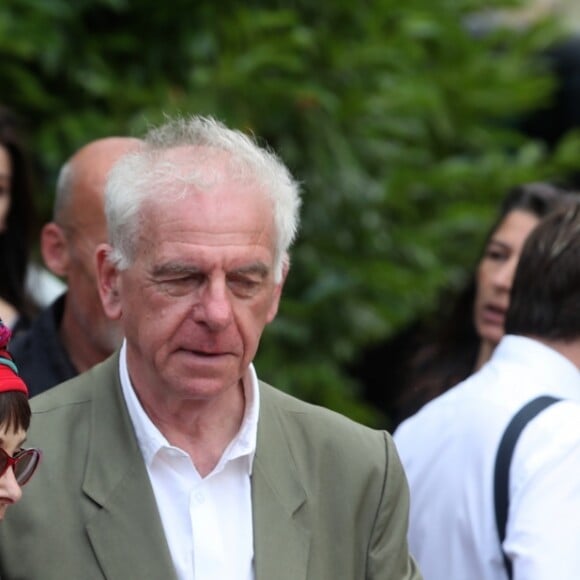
(82, 178)
(68, 246)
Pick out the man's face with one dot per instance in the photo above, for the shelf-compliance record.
(83, 299)
(200, 292)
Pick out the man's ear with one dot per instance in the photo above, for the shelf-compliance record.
(108, 281)
(54, 249)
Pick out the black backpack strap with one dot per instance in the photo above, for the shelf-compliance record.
(503, 460)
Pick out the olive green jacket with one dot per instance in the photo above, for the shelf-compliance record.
(329, 496)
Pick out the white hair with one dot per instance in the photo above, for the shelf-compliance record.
(143, 175)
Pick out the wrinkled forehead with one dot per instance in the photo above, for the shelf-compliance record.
(232, 219)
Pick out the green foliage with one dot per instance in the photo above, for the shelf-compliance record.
(398, 118)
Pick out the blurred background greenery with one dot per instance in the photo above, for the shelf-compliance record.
(403, 120)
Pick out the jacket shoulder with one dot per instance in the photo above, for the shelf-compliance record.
(316, 428)
(77, 390)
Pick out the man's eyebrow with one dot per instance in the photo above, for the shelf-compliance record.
(177, 269)
(256, 268)
(174, 269)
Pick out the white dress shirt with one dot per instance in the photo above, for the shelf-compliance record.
(43, 286)
(207, 521)
(448, 451)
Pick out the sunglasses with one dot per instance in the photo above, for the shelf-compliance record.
(24, 463)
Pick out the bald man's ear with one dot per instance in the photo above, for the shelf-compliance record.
(54, 249)
(108, 282)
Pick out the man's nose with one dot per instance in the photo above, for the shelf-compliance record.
(214, 307)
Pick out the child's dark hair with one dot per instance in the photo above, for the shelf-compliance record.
(14, 411)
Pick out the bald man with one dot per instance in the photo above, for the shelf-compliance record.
(72, 334)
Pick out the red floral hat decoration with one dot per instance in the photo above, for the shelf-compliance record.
(9, 379)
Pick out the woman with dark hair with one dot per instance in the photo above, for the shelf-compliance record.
(17, 465)
(464, 338)
(16, 223)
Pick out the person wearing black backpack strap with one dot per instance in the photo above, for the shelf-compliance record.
(449, 449)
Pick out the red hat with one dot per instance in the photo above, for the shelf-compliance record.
(9, 379)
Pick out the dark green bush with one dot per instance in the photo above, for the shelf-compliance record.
(400, 118)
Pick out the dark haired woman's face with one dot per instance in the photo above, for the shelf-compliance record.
(495, 274)
(5, 185)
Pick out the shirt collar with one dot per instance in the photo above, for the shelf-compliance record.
(151, 440)
(542, 362)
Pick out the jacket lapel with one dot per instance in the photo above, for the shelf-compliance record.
(126, 533)
(281, 526)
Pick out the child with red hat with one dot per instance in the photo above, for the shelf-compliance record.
(16, 463)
